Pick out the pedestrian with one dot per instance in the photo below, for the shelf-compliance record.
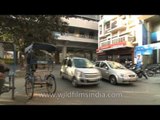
(139, 62)
(139, 65)
(31, 61)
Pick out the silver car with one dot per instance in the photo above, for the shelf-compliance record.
(115, 72)
(80, 71)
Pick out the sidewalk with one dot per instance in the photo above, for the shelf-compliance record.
(20, 95)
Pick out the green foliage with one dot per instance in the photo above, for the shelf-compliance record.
(25, 29)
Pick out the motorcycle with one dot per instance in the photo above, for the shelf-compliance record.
(153, 69)
(149, 72)
(139, 71)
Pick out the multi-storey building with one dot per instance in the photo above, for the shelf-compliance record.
(119, 36)
(152, 25)
(81, 38)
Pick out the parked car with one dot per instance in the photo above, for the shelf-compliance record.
(115, 72)
(80, 71)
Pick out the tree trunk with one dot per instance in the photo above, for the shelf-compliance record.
(21, 60)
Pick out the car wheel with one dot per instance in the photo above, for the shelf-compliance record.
(150, 73)
(140, 75)
(113, 80)
(74, 82)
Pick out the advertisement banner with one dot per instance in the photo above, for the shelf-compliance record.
(137, 55)
(139, 51)
(144, 50)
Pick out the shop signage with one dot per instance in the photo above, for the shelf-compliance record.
(116, 45)
(146, 49)
(155, 36)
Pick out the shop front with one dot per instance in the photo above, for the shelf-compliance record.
(146, 52)
(120, 54)
(116, 52)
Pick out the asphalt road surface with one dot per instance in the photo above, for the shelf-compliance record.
(142, 92)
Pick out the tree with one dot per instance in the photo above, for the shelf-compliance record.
(25, 29)
(31, 28)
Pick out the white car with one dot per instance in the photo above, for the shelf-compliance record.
(116, 72)
(80, 71)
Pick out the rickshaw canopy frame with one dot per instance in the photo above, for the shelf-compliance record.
(41, 46)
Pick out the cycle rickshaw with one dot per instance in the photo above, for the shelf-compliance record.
(39, 69)
(8, 58)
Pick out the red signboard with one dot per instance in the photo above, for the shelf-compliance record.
(116, 45)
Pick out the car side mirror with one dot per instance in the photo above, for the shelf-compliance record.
(69, 65)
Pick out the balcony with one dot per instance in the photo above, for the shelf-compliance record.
(119, 42)
(126, 38)
(92, 17)
(120, 25)
(78, 38)
(82, 23)
(144, 17)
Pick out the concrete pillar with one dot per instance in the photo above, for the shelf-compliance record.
(132, 55)
(148, 57)
(148, 33)
(91, 56)
(64, 50)
(57, 57)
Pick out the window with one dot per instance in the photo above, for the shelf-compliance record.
(107, 25)
(71, 30)
(82, 33)
(69, 63)
(103, 65)
(100, 29)
(91, 34)
(97, 64)
(82, 63)
(114, 24)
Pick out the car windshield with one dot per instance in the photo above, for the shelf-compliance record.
(83, 63)
(115, 65)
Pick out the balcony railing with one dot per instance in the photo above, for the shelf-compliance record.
(81, 36)
(116, 40)
(58, 34)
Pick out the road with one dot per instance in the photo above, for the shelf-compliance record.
(142, 92)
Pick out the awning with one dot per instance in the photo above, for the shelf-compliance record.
(123, 44)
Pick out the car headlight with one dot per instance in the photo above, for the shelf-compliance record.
(122, 75)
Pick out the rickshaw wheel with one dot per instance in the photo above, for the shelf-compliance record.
(51, 85)
(29, 88)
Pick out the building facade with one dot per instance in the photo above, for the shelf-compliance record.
(119, 36)
(150, 42)
(80, 40)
